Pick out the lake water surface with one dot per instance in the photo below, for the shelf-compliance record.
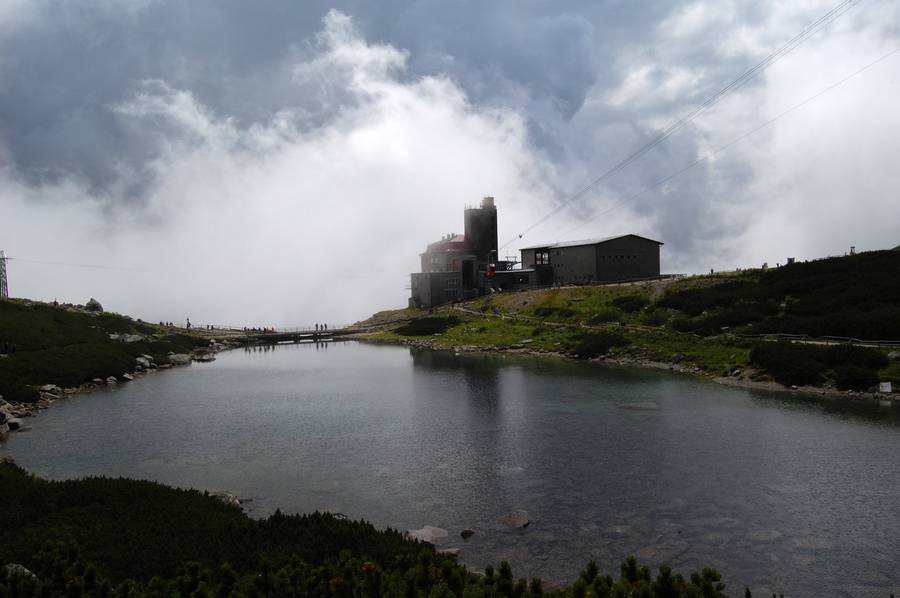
(779, 493)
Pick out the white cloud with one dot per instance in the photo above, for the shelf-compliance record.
(280, 224)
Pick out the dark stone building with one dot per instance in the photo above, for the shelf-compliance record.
(626, 257)
(465, 266)
(456, 267)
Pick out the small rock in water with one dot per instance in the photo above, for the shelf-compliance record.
(515, 519)
(467, 533)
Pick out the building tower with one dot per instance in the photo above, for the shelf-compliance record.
(481, 230)
(4, 285)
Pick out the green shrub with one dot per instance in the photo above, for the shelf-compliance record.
(593, 344)
(630, 303)
(428, 326)
(561, 313)
(855, 377)
(789, 363)
(867, 357)
(118, 537)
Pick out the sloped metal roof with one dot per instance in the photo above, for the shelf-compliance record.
(588, 242)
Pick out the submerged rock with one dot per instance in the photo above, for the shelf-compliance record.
(467, 533)
(515, 519)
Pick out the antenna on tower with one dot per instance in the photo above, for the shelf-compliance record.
(4, 285)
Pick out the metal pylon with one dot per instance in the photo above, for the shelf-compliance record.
(4, 285)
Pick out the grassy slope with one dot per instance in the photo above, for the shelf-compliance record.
(53, 345)
(698, 317)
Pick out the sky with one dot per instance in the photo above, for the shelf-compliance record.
(282, 163)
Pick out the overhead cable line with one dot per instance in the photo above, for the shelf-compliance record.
(737, 139)
(71, 265)
(816, 26)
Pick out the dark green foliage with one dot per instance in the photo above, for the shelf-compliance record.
(593, 344)
(854, 377)
(851, 367)
(427, 326)
(116, 537)
(855, 296)
(558, 313)
(789, 363)
(52, 345)
(630, 303)
(865, 357)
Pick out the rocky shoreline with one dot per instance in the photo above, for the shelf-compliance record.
(13, 415)
(739, 378)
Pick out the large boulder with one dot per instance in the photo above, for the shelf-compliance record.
(894, 355)
(179, 359)
(94, 306)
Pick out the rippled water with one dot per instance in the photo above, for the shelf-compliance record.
(779, 493)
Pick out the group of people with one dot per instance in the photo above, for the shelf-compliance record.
(322, 327)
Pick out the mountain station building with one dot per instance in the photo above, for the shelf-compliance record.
(460, 267)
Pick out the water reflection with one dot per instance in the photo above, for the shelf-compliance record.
(783, 493)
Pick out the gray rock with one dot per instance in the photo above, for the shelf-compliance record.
(467, 533)
(142, 361)
(51, 388)
(14, 423)
(127, 377)
(98, 381)
(429, 534)
(93, 306)
(678, 358)
(19, 570)
(4, 430)
(131, 338)
(227, 497)
(179, 359)
(894, 355)
(515, 519)
(112, 380)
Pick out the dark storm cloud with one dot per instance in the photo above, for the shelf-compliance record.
(68, 63)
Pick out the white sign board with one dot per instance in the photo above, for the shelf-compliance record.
(885, 387)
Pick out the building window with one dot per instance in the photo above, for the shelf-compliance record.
(542, 257)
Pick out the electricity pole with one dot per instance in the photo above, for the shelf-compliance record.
(4, 285)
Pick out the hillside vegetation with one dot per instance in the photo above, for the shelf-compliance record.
(711, 324)
(116, 537)
(46, 344)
